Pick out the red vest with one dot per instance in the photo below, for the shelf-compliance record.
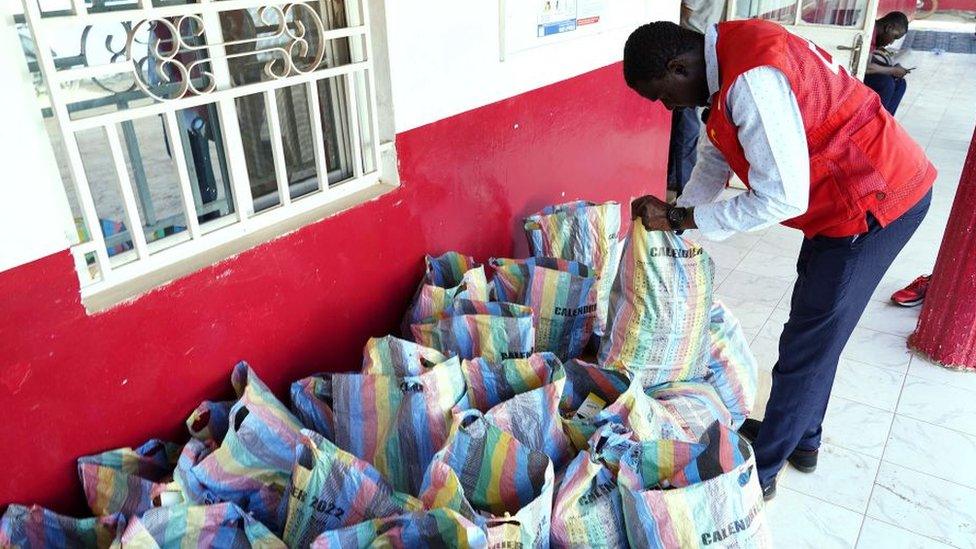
(861, 160)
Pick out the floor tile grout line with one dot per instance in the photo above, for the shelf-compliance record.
(858, 452)
(885, 366)
(913, 418)
(730, 269)
(795, 489)
(761, 328)
(768, 318)
(901, 368)
(928, 474)
(933, 365)
(822, 500)
(865, 404)
(864, 519)
(903, 335)
(780, 278)
(901, 310)
(872, 405)
(926, 536)
(877, 473)
(954, 386)
(861, 452)
(884, 447)
(859, 326)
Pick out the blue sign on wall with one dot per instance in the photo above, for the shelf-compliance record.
(557, 27)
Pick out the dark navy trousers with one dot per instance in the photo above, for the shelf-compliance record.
(889, 88)
(683, 151)
(836, 278)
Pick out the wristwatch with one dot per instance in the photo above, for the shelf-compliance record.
(676, 217)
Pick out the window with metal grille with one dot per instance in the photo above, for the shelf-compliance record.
(845, 13)
(180, 126)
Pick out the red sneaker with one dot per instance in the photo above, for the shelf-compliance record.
(914, 293)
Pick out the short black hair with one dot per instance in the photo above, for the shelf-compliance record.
(895, 18)
(652, 46)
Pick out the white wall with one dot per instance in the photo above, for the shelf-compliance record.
(34, 214)
(444, 59)
(444, 56)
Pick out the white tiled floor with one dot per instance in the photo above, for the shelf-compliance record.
(898, 464)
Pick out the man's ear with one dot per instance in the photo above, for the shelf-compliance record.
(678, 67)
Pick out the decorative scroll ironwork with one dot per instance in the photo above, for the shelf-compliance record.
(180, 59)
(89, 36)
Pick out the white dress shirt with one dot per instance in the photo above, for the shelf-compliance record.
(763, 108)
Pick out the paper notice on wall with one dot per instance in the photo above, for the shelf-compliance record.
(588, 12)
(559, 16)
(556, 17)
(527, 24)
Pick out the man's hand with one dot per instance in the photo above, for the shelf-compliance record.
(652, 212)
(898, 71)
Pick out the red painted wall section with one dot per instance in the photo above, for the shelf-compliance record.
(73, 384)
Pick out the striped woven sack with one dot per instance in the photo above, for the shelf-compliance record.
(532, 417)
(311, 402)
(333, 489)
(733, 370)
(252, 465)
(494, 331)
(130, 481)
(562, 295)
(595, 396)
(565, 307)
(511, 279)
(394, 356)
(198, 526)
(587, 511)
(584, 232)
(35, 527)
(659, 309)
(491, 383)
(447, 278)
(694, 405)
(191, 486)
(693, 494)
(209, 421)
(432, 529)
(493, 480)
(396, 423)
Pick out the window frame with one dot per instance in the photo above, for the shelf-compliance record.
(797, 19)
(189, 250)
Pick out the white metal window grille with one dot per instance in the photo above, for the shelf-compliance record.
(184, 125)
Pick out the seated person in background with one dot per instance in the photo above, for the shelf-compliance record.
(885, 76)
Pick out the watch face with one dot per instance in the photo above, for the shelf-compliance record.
(675, 217)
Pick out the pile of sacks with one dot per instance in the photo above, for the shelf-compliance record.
(488, 429)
